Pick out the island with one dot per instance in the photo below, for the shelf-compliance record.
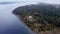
(39, 17)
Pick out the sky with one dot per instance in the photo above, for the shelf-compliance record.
(36, 1)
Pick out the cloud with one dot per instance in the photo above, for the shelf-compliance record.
(40, 1)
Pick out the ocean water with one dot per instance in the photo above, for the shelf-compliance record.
(9, 23)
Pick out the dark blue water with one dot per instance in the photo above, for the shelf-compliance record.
(9, 23)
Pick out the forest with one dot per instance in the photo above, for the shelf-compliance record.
(43, 16)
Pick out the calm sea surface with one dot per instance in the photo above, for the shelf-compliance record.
(9, 23)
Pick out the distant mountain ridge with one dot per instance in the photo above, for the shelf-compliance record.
(9, 2)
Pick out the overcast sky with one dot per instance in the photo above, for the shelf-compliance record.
(38, 1)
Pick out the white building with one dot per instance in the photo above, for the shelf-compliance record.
(30, 17)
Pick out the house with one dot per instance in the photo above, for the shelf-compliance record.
(33, 17)
(30, 17)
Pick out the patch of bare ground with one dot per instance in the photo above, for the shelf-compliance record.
(55, 31)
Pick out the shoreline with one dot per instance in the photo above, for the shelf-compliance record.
(25, 25)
